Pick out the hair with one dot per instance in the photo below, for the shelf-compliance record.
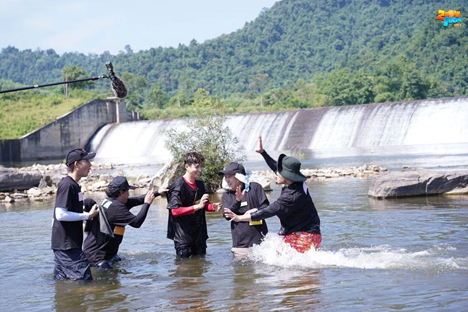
(113, 192)
(193, 158)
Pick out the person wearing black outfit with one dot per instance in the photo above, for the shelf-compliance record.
(68, 217)
(300, 223)
(102, 252)
(240, 197)
(187, 202)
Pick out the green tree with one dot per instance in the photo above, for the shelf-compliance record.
(74, 73)
(258, 83)
(346, 88)
(213, 140)
(156, 98)
(136, 86)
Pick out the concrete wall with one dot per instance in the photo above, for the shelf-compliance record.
(73, 130)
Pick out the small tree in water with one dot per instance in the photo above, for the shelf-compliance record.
(206, 133)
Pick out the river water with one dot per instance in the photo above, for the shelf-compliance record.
(405, 255)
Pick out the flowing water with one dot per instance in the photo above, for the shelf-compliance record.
(405, 255)
(388, 255)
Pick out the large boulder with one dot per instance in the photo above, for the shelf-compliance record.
(14, 179)
(415, 183)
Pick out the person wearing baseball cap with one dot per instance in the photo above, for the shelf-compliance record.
(103, 253)
(240, 197)
(68, 217)
(300, 223)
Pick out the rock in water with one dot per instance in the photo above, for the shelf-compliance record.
(415, 183)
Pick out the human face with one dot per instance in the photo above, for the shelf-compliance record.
(280, 179)
(83, 166)
(232, 181)
(124, 196)
(194, 170)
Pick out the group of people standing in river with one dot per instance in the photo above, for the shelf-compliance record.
(245, 205)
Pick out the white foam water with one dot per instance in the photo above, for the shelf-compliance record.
(274, 251)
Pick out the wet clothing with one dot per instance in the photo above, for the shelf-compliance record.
(302, 241)
(294, 207)
(67, 236)
(243, 234)
(97, 249)
(71, 264)
(188, 230)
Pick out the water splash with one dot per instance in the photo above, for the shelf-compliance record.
(274, 251)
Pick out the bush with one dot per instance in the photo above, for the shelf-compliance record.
(207, 135)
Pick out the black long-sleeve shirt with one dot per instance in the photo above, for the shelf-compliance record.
(294, 207)
(118, 215)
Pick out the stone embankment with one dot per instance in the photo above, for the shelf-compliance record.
(39, 182)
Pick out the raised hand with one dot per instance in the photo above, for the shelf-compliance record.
(239, 193)
(260, 145)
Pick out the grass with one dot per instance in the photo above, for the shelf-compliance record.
(25, 112)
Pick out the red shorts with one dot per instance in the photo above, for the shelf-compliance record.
(302, 241)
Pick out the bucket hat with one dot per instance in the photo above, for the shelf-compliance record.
(290, 168)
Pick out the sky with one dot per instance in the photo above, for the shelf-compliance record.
(95, 26)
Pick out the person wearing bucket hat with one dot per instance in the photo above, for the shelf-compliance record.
(242, 195)
(67, 227)
(187, 201)
(300, 222)
(102, 253)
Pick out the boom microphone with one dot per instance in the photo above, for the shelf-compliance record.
(118, 86)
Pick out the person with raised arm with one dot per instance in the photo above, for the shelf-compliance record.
(300, 222)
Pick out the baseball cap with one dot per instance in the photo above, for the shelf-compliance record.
(121, 183)
(78, 154)
(233, 168)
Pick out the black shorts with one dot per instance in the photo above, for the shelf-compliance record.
(71, 264)
(186, 251)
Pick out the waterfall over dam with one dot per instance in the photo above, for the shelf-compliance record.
(424, 126)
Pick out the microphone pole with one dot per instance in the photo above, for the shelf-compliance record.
(118, 86)
(51, 84)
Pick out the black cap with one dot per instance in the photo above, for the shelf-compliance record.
(78, 154)
(233, 168)
(121, 183)
(88, 204)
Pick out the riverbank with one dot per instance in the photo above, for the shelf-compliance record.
(43, 179)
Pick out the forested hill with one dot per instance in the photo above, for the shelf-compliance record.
(294, 39)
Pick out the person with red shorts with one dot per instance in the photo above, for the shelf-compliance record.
(300, 223)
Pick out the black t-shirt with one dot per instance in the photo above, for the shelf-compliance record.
(188, 229)
(68, 234)
(118, 214)
(243, 234)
